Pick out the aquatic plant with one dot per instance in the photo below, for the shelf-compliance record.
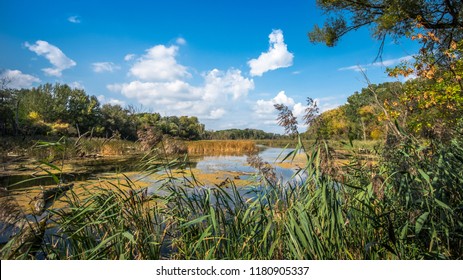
(407, 206)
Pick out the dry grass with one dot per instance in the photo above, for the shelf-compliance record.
(222, 147)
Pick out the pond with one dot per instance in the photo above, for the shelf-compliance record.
(239, 164)
(213, 171)
(208, 170)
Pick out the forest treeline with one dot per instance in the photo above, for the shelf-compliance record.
(367, 113)
(59, 110)
(425, 108)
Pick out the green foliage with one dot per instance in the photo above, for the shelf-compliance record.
(61, 110)
(391, 18)
(433, 101)
(408, 207)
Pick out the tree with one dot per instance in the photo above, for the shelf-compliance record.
(7, 122)
(395, 18)
(367, 116)
(331, 124)
(116, 119)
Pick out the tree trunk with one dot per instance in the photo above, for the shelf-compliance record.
(363, 129)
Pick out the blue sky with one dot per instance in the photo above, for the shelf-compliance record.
(226, 62)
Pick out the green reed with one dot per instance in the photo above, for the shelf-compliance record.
(408, 206)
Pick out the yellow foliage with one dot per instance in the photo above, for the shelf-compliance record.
(34, 116)
(59, 127)
(366, 110)
(376, 134)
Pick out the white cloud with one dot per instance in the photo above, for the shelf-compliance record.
(54, 55)
(114, 87)
(74, 19)
(264, 108)
(159, 64)
(129, 57)
(281, 98)
(100, 67)
(299, 110)
(157, 93)
(160, 83)
(267, 114)
(114, 101)
(384, 63)
(16, 79)
(356, 68)
(180, 41)
(217, 114)
(102, 99)
(276, 57)
(390, 62)
(219, 83)
(179, 97)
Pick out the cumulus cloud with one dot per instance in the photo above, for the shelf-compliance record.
(217, 84)
(264, 108)
(180, 97)
(74, 19)
(265, 111)
(157, 93)
(276, 57)
(100, 67)
(384, 63)
(216, 114)
(17, 79)
(159, 64)
(160, 82)
(54, 55)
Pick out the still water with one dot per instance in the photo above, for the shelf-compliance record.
(216, 166)
(235, 168)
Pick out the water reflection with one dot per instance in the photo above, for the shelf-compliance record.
(235, 167)
(213, 164)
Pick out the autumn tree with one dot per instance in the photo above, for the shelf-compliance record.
(433, 101)
(331, 124)
(395, 18)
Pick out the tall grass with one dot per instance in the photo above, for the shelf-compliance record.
(407, 207)
(221, 147)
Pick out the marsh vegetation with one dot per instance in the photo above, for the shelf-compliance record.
(378, 178)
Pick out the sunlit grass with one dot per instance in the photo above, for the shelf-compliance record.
(221, 147)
